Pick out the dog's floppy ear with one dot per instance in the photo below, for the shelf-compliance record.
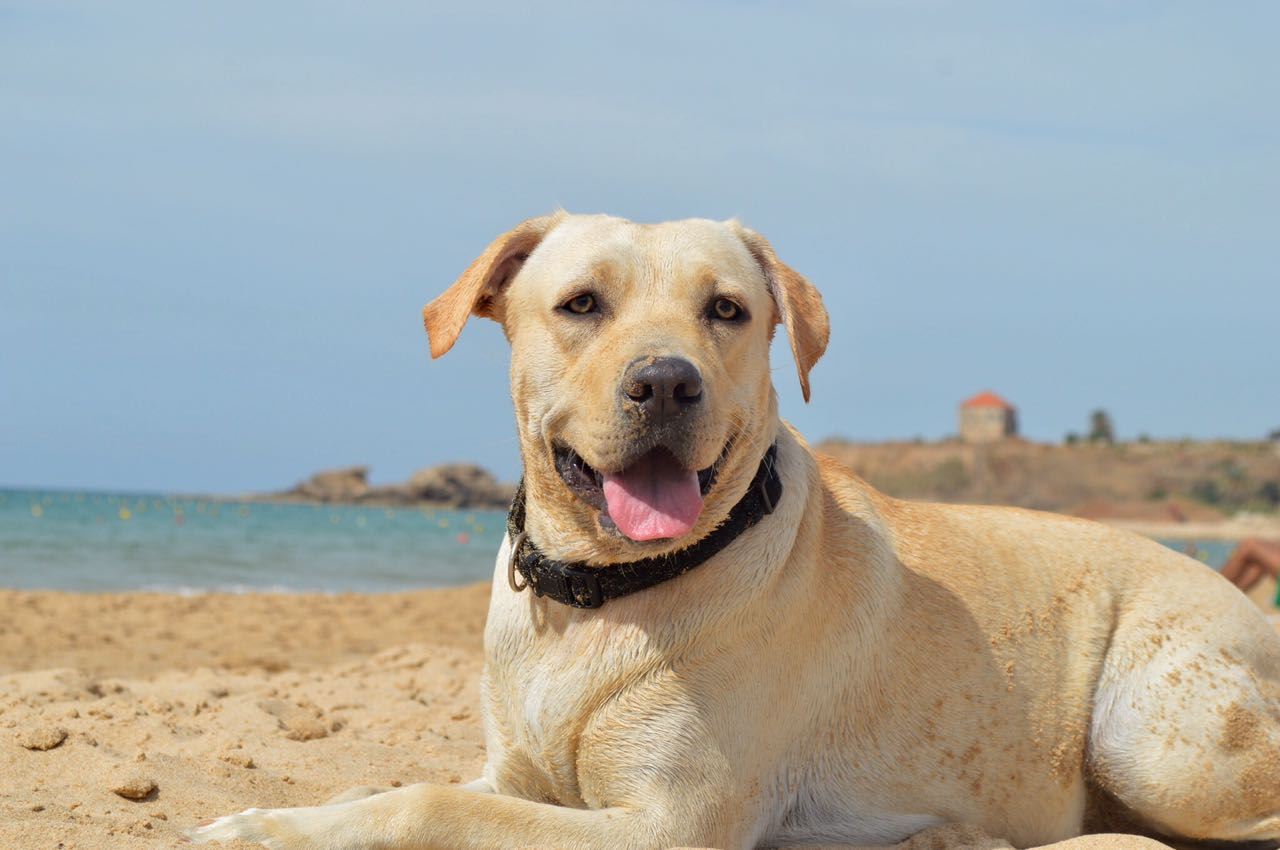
(799, 304)
(473, 293)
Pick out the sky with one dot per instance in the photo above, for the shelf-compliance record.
(219, 221)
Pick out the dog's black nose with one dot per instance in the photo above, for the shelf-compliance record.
(663, 387)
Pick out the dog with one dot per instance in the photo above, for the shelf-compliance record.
(826, 665)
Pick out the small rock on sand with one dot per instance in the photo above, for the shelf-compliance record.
(297, 723)
(135, 786)
(239, 759)
(300, 727)
(42, 737)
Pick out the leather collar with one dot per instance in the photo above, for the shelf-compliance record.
(582, 586)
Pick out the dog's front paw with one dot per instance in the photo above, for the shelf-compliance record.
(269, 827)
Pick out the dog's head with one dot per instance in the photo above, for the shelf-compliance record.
(639, 369)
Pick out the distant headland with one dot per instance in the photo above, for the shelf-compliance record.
(452, 485)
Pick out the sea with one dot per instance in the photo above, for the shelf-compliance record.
(97, 541)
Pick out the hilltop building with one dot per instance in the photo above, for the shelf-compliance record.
(987, 418)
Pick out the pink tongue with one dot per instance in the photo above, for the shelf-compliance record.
(654, 499)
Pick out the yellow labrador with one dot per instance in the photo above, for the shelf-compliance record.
(829, 665)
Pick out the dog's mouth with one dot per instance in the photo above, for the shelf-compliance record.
(652, 498)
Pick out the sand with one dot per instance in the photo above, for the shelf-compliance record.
(127, 717)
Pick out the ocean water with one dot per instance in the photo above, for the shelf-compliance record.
(147, 541)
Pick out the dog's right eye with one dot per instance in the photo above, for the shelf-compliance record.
(580, 305)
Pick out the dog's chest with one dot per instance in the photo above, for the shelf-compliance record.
(543, 692)
(549, 705)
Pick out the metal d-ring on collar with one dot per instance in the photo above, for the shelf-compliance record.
(580, 585)
(511, 557)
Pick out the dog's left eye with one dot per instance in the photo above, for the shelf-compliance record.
(726, 310)
(580, 304)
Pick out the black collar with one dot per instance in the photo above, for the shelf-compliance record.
(582, 586)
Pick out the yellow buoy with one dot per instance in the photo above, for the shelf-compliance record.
(125, 513)
(37, 511)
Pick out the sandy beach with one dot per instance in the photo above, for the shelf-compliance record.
(126, 717)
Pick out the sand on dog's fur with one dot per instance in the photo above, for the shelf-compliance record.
(126, 717)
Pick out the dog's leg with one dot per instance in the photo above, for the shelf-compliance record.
(434, 817)
(1186, 726)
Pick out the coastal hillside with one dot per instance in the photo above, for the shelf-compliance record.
(1169, 481)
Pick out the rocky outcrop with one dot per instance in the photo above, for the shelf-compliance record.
(459, 485)
(452, 485)
(347, 484)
